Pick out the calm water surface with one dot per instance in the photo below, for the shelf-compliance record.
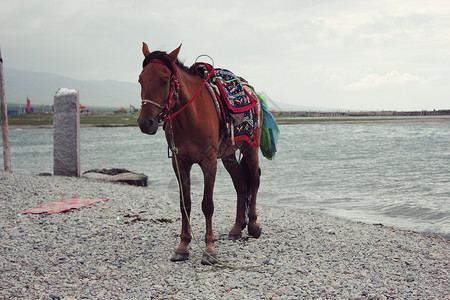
(397, 174)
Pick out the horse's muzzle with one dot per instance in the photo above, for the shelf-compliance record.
(148, 125)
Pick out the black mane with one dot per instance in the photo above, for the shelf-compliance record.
(164, 58)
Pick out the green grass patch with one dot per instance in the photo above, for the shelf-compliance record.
(41, 119)
(32, 119)
(109, 119)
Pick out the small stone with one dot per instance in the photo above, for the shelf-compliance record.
(102, 269)
(335, 284)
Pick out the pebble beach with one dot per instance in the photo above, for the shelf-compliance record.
(120, 249)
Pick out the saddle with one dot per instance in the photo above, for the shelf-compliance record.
(236, 102)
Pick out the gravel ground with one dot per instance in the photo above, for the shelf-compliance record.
(120, 249)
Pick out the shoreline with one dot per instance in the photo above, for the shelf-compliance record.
(119, 249)
(347, 120)
(288, 121)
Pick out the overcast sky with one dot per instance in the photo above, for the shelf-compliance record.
(368, 55)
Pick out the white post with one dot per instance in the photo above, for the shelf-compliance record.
(66, 136)
(4, 117)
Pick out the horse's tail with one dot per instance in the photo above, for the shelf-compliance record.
(248, 198)
(247, 202)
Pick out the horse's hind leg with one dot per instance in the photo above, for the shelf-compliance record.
(182, 252)
(250, 165)
(240, 184)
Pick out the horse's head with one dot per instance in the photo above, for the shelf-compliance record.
(158, 84)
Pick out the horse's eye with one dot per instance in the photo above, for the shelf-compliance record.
(165, 82)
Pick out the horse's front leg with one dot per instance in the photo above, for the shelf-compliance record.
(209, 174)
(182, 171)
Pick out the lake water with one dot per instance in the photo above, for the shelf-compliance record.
(394, 173)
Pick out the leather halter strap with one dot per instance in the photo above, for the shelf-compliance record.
(174, 86)
(145, 101)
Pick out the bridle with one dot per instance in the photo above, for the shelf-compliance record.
(145, 101)
(175, 85)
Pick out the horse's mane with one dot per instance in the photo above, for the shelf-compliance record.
(163, 57)
(189, 70)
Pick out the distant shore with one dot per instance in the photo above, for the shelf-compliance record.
(316, 120)
(45, 120)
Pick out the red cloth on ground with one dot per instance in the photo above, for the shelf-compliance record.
(63, 205)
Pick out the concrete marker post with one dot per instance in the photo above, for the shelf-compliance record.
(66, 137)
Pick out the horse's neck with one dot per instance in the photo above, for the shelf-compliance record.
(189, 86)
(201, 107)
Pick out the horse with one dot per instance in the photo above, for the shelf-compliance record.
(194, 132)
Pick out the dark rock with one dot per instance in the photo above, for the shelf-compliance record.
(117, 175)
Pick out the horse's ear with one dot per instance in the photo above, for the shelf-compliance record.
(174, 54)
(145, 50)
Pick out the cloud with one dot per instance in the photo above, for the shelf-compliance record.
(373, 81)
(316, 47)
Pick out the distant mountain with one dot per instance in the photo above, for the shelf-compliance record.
(41, 88)
(94, 94)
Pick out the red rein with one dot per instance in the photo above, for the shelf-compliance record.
(175, 83)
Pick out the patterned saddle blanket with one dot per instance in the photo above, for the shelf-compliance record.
(237, 103)
(240, 96)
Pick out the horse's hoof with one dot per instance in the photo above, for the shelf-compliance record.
(234, 237)
(179, 256)
(209, 259)
(257, 233)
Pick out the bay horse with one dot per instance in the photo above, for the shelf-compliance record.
(176, 94)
